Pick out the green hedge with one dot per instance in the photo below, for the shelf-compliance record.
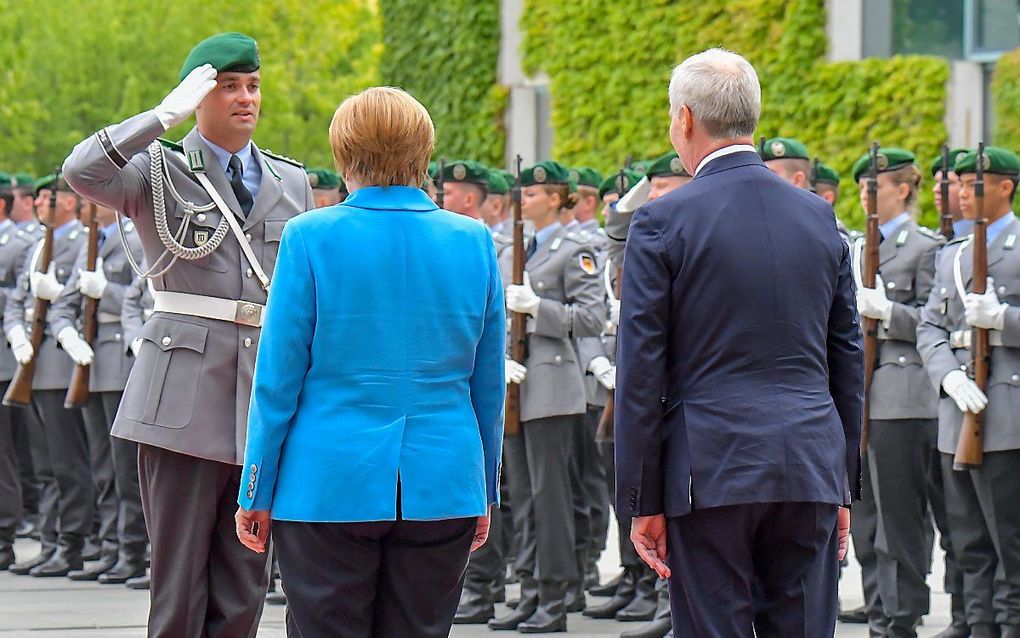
(446, 54)
(1006, 95)
(609, 84)
(69, 68)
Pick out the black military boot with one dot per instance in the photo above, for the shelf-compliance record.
(855, 616)
(591, 573)
(551, 615)
(28, 528)
(526, 607)
(23, 568)
(575, 600)
(985, 630)
(642, 607)
(138, 582)
(97, 568)
(660, 625)
(621, 598)
(92, 550)
(131, 563)
(609, 587)
(64, 561)
(476, 605)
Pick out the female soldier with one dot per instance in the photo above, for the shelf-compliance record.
(563, 299)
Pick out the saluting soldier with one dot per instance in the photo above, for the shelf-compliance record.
(66, 526)
(327, 187)
(209, 212)
(114, 460)
(563, 300)
(984, 520)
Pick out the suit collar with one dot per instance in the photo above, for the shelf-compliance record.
(726, 162)
(390, 198)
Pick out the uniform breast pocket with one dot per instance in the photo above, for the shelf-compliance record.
(164, 381)
(200, 231)
(1008, 289)
(273, 233)
(900, 288)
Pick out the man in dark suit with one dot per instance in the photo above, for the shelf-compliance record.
(740, 391)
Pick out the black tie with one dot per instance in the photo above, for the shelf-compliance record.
(532, 248)
(237, 185)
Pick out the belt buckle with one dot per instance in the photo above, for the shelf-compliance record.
(248, 314)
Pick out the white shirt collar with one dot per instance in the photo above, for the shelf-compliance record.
(722, 152)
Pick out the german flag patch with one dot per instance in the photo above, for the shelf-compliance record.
(587, 263)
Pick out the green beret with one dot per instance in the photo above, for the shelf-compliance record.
(585, 176)
(669, 165)
(342, 187)
(545, 172)
(466, 171)
(998, 161)
(6, 181)
(226, 52)
(612, 183)
(497, 182)
(640, 167)
(510, 178)
(51, 181)
(24, 179)
(783, 148)
(889, 159)
(954, 154)
(825, 174)
(323, 178)
(433, 170)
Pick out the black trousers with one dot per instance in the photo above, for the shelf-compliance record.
(628, 555)
(97, 434)
(538, 464)
(863, 531)
(11, 511)
(204, 582)
(899, 455)
(770, 567)
(390, 579)
(953, 581)
(593, 479)
(984, 519)
(69, 460)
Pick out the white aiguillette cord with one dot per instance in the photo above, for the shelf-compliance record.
(235, 227)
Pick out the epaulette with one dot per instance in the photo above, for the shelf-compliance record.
(958, 239)
(929, 233)
(282, 158)
(173, 146)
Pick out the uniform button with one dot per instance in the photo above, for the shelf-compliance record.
(249, 494)
(247, 236)
(117, 336)
(1002, 290)
(891, 285)
(166, 341)
(558, 359)
(60, 272)
(249, 272)
(902, 359)
(963, 367)
(540, 285)
(943, 291)
(254, 468)
(247, 342)
(200, 217)
(1015, 378)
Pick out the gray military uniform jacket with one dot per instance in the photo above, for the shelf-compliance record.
(900, 389)
(52, 366)
(135, 310)
(942, 324)
(14, 245)
(572, 307)
(110, 367)
(190, 386)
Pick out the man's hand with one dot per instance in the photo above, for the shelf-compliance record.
(20, 345)
(648, 533)
(77, 348)
(523, 298)
(44, 285)
(985, 311)
(183, 100)
(253, 529)
(873, 302)
(515, 372)
(843, 528)
(605, 372)
(967, 395)
(92, 283)
(481, 531)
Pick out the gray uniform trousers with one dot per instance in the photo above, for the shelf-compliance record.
(863, 530)
(10, 480)
(953, 580)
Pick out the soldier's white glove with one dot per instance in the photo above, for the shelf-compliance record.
(183, 100)
(136, 345)
(614, 317)
(92, 283)
(515, 372)
(873, 302)
(20, 344)
(45, 285)
(523, 298)
(605, 372)
(985, 311)
(966, 393)
(75, 347)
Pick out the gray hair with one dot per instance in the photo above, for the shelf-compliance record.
(721, 89)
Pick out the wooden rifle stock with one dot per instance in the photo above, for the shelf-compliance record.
(869, 275)
(970, 446)
(78, 391)
(945, 216)
(518, 327)
(19, 392)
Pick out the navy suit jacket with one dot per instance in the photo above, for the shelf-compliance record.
(740, 368)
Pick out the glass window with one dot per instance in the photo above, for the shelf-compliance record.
(996, 26)
(930, 27)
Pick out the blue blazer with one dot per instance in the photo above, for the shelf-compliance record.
(381, 360)
(740, 368)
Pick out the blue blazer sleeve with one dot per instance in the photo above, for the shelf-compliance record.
(846, 371)
(488, 385)
(641, 369)
(280, 369)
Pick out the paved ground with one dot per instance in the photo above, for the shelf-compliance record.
(59, 608)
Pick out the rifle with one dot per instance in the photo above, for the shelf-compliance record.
(813, 177)
(440, 180)
(19, 392)
(869, 276)
(761, 146)
(606, 429)
(518, 327)
(78, 391)
(970, 447)
(946, 218)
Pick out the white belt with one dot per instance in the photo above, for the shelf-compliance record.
(961, 339)
(245, 313)
(107, 317)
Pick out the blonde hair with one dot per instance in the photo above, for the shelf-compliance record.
(567, 199)
(382, 137)
(911, 176)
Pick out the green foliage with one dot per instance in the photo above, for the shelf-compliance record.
(1006, 94)
(609, 83)
(445, 54)
(70, 68)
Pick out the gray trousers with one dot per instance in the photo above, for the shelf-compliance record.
(863, 530)
(898, 456)
(984, 517)
(593, 480)
(538, 464)
(953, 581)
(203, 581)
(97, 433)
(10, 478)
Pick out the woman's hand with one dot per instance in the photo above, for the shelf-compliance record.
(481, 532)
(253, 529)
